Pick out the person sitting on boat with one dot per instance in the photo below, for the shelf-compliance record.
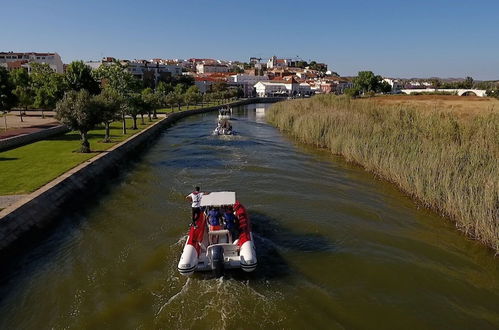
(231, 223)
(214, 218)
(195, 199)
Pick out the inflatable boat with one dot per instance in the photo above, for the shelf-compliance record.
(215, 248)
(224, 127)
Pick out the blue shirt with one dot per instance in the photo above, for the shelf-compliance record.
(213, 217)
(230, 220)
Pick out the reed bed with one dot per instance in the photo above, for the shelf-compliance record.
(450, 163)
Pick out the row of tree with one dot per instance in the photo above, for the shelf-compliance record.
(84, 98)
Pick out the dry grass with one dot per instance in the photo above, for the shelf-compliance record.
(445, 158)
(464, 106)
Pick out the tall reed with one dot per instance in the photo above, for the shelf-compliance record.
(448, 162)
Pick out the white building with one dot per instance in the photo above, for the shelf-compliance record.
(246, 82)
(246, 79)
(140, 69)
(209, 68)
(396, 85)
(204, 84)
(12, 60)
(275, 62)
(304, 89)
(282, 88)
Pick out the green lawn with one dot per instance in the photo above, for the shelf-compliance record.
(25, 169)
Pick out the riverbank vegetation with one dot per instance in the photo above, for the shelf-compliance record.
(27, 168)
(112, 93)
(445, 157)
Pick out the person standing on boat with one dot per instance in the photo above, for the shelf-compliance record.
(195, 199)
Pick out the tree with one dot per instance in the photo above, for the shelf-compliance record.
(23, 89)
(117, 78)
(164, 88)
(321, 67)
(468, 82)
(170, 99)
(158, 98)
(352, 92)
(192, 96)
(149, 102)
(109, 103)
(7, 98)
(208, 97)
(236, 92)
(493, 92)
(79, 111)
(435, 83)
(365, 81)
(384, 87)
(48, 86)
(219, 86)
(179, 91)
(134, 107)
(79, 76)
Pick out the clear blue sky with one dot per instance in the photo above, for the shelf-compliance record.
(446, 38)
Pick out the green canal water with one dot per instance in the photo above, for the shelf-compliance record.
(337, 248)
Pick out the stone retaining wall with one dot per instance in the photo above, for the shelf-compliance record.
(17, 141)
(43, 206)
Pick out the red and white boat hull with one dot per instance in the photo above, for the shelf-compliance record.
(211, 250)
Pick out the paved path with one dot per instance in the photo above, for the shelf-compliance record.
(8, 200)
(32, 122)
(26, 130)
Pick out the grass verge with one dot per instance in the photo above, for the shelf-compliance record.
(447, 161)
(27, 168)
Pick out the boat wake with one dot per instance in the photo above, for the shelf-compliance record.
(220, 302)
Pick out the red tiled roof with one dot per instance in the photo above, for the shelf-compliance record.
(16, 64)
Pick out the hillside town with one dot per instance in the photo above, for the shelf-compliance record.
(256, 78)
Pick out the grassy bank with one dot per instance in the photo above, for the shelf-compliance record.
(27, 168)
(445, 159)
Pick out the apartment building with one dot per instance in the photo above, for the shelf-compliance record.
(12, 60)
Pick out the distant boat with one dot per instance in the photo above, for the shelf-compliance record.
(224, 127)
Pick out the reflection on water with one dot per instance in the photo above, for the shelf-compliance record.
(260, 114)
(337, 248)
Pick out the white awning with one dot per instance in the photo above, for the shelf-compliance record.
(219, 198)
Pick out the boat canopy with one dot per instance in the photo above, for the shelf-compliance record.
(219, 198)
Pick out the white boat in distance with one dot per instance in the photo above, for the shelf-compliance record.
(224, 127)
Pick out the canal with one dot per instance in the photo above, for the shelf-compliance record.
(337, 247)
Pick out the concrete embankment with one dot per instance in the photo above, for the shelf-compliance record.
(42, 207)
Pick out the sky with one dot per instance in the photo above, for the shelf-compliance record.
(438, 38)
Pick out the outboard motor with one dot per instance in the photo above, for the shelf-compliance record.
(217, 261)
